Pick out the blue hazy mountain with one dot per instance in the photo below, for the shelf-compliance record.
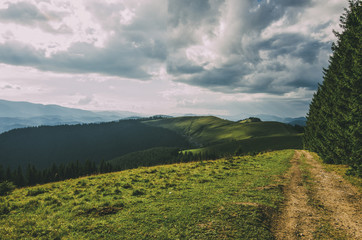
(25, 114)
(266, 117)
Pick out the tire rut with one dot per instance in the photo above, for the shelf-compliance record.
(297, 218)
(339, 197)
(315, 197)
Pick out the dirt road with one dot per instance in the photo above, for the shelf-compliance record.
(319, 205)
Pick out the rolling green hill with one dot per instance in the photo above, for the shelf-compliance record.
(208, 130)
(222, 199)
(251, 146)
(61, 152)
(43, 146)
(218, 136)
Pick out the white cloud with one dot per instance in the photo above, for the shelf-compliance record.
(189, 56)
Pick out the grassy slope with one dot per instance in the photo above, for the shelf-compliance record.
(45, 145)
(222, 199)
(213, 134)
(213, 130)
(253, 145)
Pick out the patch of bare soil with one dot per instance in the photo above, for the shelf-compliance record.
(342, 200)
(297, 219)
(314, 197)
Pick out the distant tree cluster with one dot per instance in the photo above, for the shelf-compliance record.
(45, 145)
(32, 175)
(157, 156)
(250, 119)
(334, 122)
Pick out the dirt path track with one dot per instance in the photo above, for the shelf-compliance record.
(316, 199)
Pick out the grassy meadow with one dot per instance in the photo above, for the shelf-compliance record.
(252, 145)
(209, 130)
(231, 198)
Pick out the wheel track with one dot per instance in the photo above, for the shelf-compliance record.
(339, 203)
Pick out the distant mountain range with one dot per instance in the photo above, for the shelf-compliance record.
(25, 114)
(265, 117)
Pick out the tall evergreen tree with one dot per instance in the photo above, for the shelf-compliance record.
(19, 177)
(334, 120)
(2, 173)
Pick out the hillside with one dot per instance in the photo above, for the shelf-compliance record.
(165, 202)
(25, 114)
(42, 146)
(277, 195)
(210, 130)
(251, 146)
(218, 137)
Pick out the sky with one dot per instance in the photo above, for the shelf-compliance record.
(205, 57)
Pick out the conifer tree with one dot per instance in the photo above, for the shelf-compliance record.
(334, 120)
(2, 173)
(18, 177)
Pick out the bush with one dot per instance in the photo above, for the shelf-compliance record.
(355, 170)
(36, 191)
(6, 188)
(4, 209)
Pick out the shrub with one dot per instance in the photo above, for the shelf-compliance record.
(36, 191)
(138, 192)
(4, 209)
(6, 187)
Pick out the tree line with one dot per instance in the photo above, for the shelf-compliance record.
(45, 145)
(32, 175)
(334, 121)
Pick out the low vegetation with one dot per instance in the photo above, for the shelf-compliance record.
(251, 146)
(341, 170)
(229, 198)
(209, 130)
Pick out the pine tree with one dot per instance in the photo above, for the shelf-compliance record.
(19, 178)
(2, 173)
(334, 128)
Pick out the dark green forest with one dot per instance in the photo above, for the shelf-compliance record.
(334, 121)
(43, 146)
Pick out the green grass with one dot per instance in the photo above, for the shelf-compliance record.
(203, 131)
(341, 171)
(252, 145)
(223, 199)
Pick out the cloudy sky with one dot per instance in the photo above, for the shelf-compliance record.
(219, 57)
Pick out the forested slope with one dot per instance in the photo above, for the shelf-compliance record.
(42, 146)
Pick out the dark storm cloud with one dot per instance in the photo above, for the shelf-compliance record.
(251, 63)
(129, 52)
(177, 67)
(80, 58)
(231, 53)
(296, 45)
(189, 15)
(190, 12)
(23, 13)
(27, 14)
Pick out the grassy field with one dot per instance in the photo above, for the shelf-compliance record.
(252, 145)
(204, 131)
(223, 199)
